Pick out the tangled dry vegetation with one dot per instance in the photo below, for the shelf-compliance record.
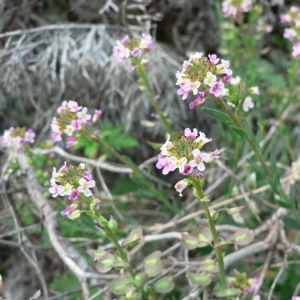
(56, 50)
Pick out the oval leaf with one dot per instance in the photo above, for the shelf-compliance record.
(243, 236)
(153, 264)
(105, 263)
(228, 293)
(134, 237)
(164, 285)
(188, 241)
(234, 210)
(120, 285)
(200, 279)
(203, 235)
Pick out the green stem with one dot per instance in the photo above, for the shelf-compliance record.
(236, 121)
(141, 71)
(250, 141)
(120, 250)
(218, 249)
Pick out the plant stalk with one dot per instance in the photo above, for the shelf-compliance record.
(141, 71)
(218, 249)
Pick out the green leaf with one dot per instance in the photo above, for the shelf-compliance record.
(188, 241)
(284, 204)
(134, 237)
(243, 236)
(153, 264)
(120, 285)
(256, 167)
(105, 263)
(228, 293)
(200, 279)
(204, 236)
(164, 285)
(241, 132)
(234, 210)
(217, 114)
(116, 137)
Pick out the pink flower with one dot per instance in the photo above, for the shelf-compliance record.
(182, 91)
(213, 59)
(226, 78)
(210, 79)
(248, 104)
(74, 195)
(76, 124)
(125, 39)
(212, 156)
(146, 42)
(191, 135)
(290, 34)
(132, 68)
(165, 148)
(136, 52)
(29, 136)
(296, 51)
(196, 102)
(83, 115)
(188, 169)
(64, 104)
(74, 107)
(55, 190)
(191, 86)
(216, 89)
(63, 168)
(97, 115)
(69, 210)
(71, 141)
(66, 190)
(202, 139)
(85, 185)
(121, 52)
(69, 130)
(161, 162)
(179, 163)
(198, 160)
(223, 68)
(87, 176)
(168, 164)
(180, 186)
(185, 65)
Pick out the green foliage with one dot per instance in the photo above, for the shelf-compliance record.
(114, 136)
(67, 283)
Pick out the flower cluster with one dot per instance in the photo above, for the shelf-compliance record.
(242, 282)
(292, 18)
(71, 181)
(132, 47)
(185, 155)
(238, 92)
(231, 8)
(71, 119)
(201, 73)
(17, 137)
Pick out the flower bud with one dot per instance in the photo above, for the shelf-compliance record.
(102, 221)
(112, 224)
